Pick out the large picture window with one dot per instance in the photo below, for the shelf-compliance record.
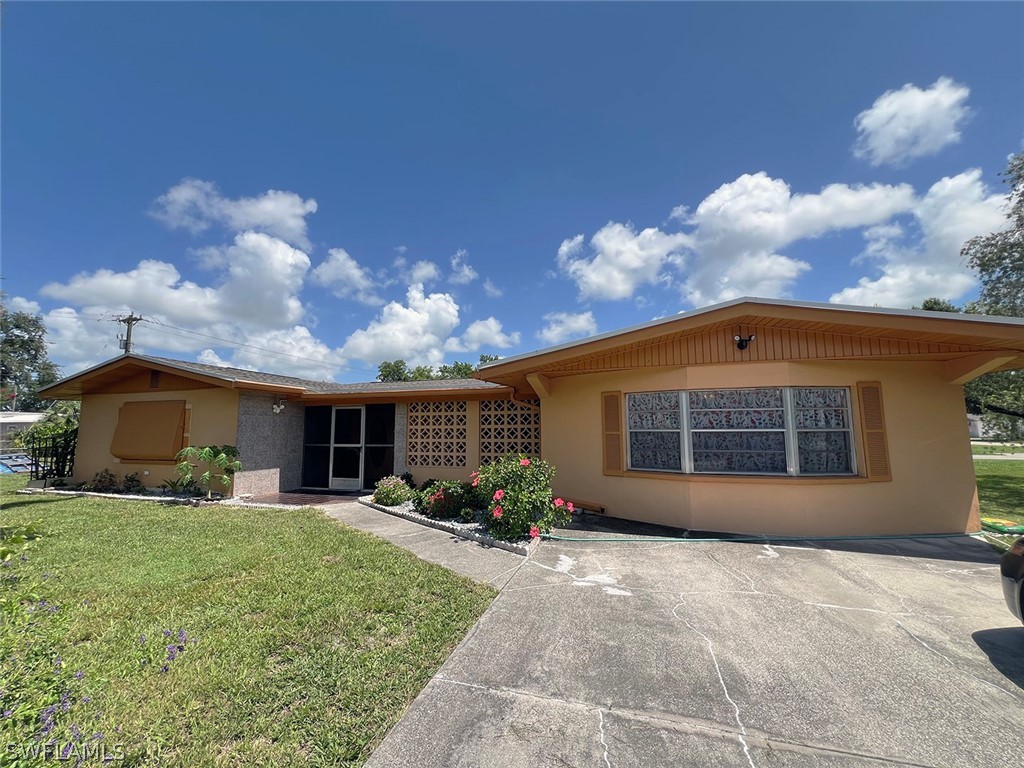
(758, 431)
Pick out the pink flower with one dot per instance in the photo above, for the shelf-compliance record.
(559, 503)
(497, 511)
(499, 495)
(570, 507)
(534, 531)
(524, 462)
(476, 482)
(473, 474)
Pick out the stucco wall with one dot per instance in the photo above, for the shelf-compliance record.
(401, 415)
(269, 444)
(932, 490)
(213, 421)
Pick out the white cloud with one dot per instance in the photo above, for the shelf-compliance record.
(953, 210)
(415, 331)
(911, 122)
(742, 226)
(346, 278)
(491, 289)
(195, 205)
(259, 283)
(462, 272)
(79, 341)
(483, 333)
(21, 304)
(733, 246)
(424, 272)
(563, 326)
(291, 351)
(623, 260)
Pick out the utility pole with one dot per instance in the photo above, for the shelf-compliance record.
(129, 321)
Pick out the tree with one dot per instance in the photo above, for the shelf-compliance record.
(398, 370)
(938, 305)
(393, 370)
(999, 257)
(217, 457)
(25, 367)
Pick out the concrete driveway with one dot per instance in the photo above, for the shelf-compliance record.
(731, 654)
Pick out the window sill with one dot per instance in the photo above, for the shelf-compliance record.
(758, 479)
(168, 462)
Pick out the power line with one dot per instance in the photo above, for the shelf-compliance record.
(161, 326)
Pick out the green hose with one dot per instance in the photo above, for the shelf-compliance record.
(767, 539)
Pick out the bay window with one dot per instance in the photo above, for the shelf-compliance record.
(758, 431)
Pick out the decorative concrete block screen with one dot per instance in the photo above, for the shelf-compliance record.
(436, 434)
(508, 427)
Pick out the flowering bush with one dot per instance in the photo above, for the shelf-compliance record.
(391, 491)
(518, 490)
(447, 499)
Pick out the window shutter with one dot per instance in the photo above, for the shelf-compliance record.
(872, 419)
(611, 424)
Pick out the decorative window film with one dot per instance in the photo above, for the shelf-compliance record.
(436, 434)
(508, 427)
(767, 430)
(654, 420)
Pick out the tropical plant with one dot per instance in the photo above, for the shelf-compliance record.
(518, 490)
(177, 486)
(391, 491)
(447, 499)
(215, 457)
(131, 484)
(104, 481)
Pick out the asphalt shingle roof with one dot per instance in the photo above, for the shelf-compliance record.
(323, 387)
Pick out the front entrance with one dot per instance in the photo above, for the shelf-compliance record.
(348, 447)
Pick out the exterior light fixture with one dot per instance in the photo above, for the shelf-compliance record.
(742, 343)
(279, 405)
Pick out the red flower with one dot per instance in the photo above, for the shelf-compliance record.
(499, 495)
(497, 512)
(534, 531)
(524, 462)
(559, 503)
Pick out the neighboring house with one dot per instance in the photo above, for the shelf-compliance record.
(12, 422)
(751, 416)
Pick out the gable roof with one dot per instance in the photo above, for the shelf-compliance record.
(99, 376)
(938, 335)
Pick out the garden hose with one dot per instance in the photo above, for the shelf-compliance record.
(760, 539)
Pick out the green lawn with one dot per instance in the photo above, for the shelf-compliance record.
(215, 636)
(1003, 448)
(1001, 489)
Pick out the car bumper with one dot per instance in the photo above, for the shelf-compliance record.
(1011, 591)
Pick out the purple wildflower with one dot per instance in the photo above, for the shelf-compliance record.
(64, 753)
(79, 675)
(164, 669)
(97, 736)
(86, 699)
(58, 662)
(172, 652)
(181, 635)
(167, 633)
(142, 639)
(8, 712)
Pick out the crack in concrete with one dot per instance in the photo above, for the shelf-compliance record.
(721, 679)
(600, 729)
(692, 726)
(953, 664)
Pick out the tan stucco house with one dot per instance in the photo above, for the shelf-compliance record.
(752, 416)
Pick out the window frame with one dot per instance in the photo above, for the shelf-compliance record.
(790, 432)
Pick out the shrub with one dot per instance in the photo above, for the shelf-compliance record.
(447, 499)
(104, 481)
(132, 484)
(518, 492)
(391, 491)
(406, 477)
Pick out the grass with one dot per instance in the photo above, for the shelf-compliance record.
(1001, 489)
(296, 641)
(1001, 449)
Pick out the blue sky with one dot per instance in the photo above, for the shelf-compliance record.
(314, 188)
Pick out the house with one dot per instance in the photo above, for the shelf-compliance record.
(12, 422)
(751, 416)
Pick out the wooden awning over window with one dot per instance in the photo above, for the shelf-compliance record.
(150, 430)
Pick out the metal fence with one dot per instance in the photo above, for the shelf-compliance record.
(53, 455)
